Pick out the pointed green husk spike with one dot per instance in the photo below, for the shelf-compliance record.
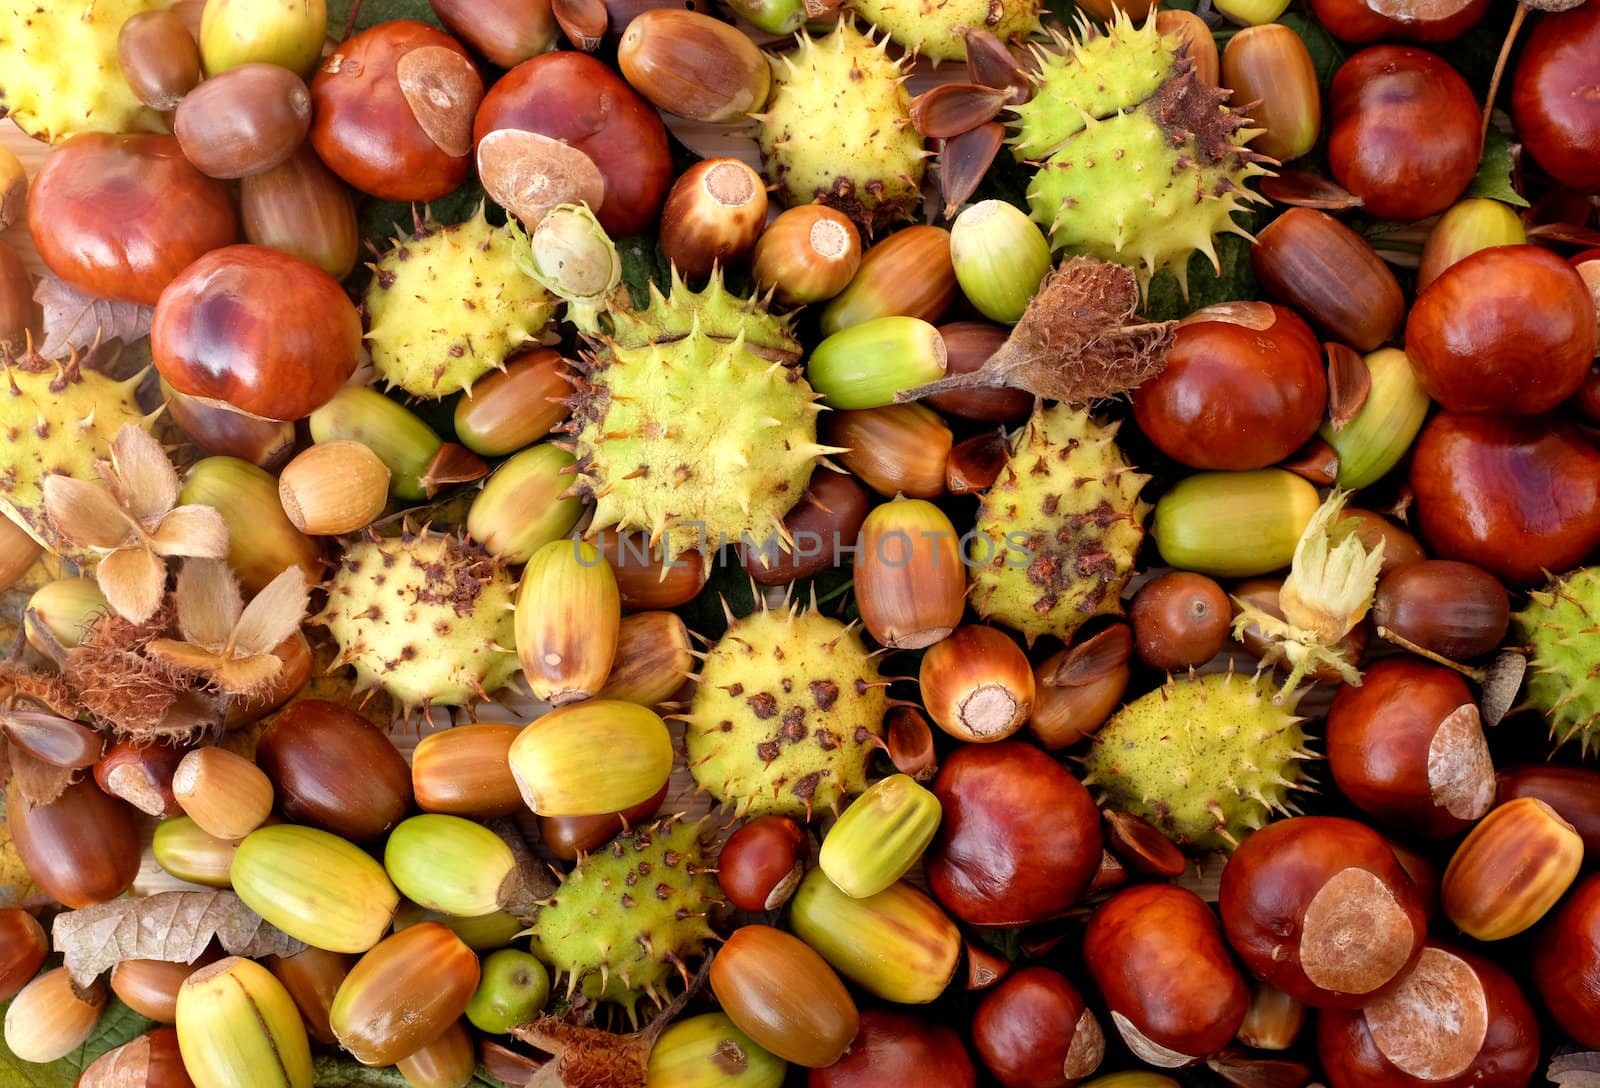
(1561, 630)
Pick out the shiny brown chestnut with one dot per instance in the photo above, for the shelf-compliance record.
(394, 108)
(81, 848)
(243, 121)
(1180, 620)
(762, 862)
(1034, 1030)
(894, 1048)
(1020, 837)
(513, 408)
(569, 837)
(977, 684)
(575, 98)
(159, 57)
(300, 207)
(1142, 847)
(1455, 610)
(713, 216)
(464, 771)
(1362, 21)
(23, 947)
(1552, 96)
(1517, 496)
(262, 331)
(827, 518)
(1457, 1021)
(1157, 955)
(898, 449)
(1320, 908)
(1566, 963)
(141, 775)
(505, 34)
(335, 770)
(1407, 748)
(1329, 274)
(968, 345)
(1574, 793)
(647, 580)
(100, 212)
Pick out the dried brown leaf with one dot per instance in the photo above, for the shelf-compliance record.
(86, 515)
(174, 927)
(73, 319)
(1077, 342)
(142, 479)
(209, 603)
(197, 532)
(134, 582)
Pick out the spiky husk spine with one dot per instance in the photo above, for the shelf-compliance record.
(1059, 529)
(930, 28)
(630, 915)
(787, 712)
(56, 418)
(1139, 161)
(837, 129)
(1207, 759)
(59, 73)
(1561, 630)
(448, 304)
(721, 315)
(424, 617)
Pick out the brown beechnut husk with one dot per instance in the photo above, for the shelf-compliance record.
(140, 697)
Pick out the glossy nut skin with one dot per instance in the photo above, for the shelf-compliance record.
(1320, 908)
(1516, 496)
(506, 34)
(1362, 21)
(1328, 273)
(575, 98)
(827, 517)
(244, 121)
(403, 994)
(1020, 838)
(1270, 65)
(513, 408)
(334, 769)
(569, 837)
(898, 449)
(312, 978)
(910, 585)
(160, 58)
(1410, 1052)
(907, 274)
(713, 216)
(1552, 97)
(1511, 870)
(762, 862)
(968, 345)
(1404, 136)
(1034, 1030)
(977, 685)
(1456, 610)
(363, 127)
(694, 65)
(784, 996)
(646, 579)
(1157, 956)
(81, 848)
(1566, 963)
(897, 1048)
(300, 207)
(1407, 749)
(23, 946)
(807, 254)
(99, 213)
(1574, 792)
(1508, 330)
(150, 987)
(463, 771)
(1180, 620)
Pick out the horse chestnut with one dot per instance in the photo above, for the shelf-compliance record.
(1408, 20)
(1566, 963)
(1553, 100)
(1034, 1030)
(892, 1049)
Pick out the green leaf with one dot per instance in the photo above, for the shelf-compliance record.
(343, 1071)
(374, 12)
(643, 263)
(1326, 53)
(1207, 286)
(118, 1024)
(1493, 180)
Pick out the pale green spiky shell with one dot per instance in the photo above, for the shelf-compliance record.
(721, 314)
(787, 712)
(1139, 161)
(1206, 759)
(59, 73)
(448, 304)
(837, 129)
(424, 617)
(1059, 528)
(56, 418)
(1561, 630)
(695, 440)
(630, 915)
(930, 27)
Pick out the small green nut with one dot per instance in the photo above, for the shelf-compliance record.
(525, 504)
(1467, 227)
(782, 17)
(1000, 257)
(1252, 12)
(880, 836)
(316, 887)
(512, 990)
(865, 365)
(188, 853)
(65, 608)
(1382, 431)
(288, 33)
(898, 945)
(404, 443)
(239, 1028)
(707, 1051)
(262, 541)
(1233, 524)
(448, 864)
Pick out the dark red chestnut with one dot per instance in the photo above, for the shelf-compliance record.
(574, 98)
(1180, 620)
(1320, 908)
(258, 329)
(1404, 136)
(1457, 1021)
(893, 1049)
(334, 769)
(761, 863)
(1244, 387)
(1553, 100)
(118, 217)
(1508, 330)
(1566, 963)
(1362, 21)
(394, 108)
(506, 34)
(1020, 839)
(1517, 496)
(1034, 1030)
(1574, 792)
(1407, 748)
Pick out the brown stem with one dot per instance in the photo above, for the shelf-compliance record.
(1500, 70)
(350, 21)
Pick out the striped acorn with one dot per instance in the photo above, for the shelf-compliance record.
(262, 542)
(1233, 524)
(450, 1061)
(593, 758)
(404, 443)
(907, 274)
(1000, 257)
(403, 994)
(568, 614)
(464, 771)
(524, 505)
(225, 794)
(187, 851)
(513, 408)
(897, 945)
(448, 864)
(880, 836)
(653, 659)
(708, 1051)
(316, 887)
(334, 488)
(484, 933)
(312, 976)
(239, 1028)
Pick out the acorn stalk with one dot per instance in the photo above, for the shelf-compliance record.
(404, 443)
(567, 617)
(1000, 258)
(866, 365)
(880, 836)
(525, 504)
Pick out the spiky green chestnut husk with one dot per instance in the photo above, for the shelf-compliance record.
(1059, 529)
(424, 618)
(630, 915)
(448, 304)
(721, 315)
(931, 28)
(1139, 161)
(55, 418)
(59, 73)
(1561, 630)
(787, 711)
(1207, 759)
(837, 129)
